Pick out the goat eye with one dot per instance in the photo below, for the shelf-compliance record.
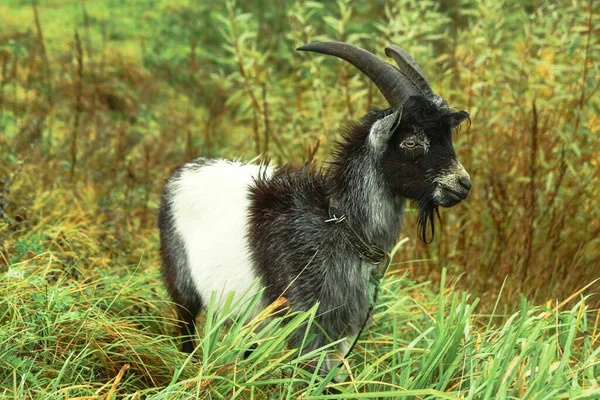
(410, 143)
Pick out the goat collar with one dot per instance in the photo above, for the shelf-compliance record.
(368, 252)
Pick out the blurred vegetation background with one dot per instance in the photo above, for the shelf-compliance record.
(100, 100)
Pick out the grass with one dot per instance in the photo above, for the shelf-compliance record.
(100, 100)
(107, 331)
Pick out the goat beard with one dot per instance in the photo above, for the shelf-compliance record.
(426, 223)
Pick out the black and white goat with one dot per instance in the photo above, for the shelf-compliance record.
(225, 224)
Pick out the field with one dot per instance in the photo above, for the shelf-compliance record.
(100, 100)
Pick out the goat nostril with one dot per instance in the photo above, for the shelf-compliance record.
(465, 182)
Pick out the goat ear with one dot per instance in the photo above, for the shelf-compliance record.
(383, 129)
(458, 118)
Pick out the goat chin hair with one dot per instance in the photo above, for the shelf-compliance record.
(426, 220)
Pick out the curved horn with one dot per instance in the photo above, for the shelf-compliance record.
(392, 84)
(411, 69)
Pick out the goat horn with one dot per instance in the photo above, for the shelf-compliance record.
(394, 86)
(410, 68)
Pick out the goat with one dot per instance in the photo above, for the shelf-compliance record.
(225, 224)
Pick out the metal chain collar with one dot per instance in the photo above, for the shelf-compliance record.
(368, 252)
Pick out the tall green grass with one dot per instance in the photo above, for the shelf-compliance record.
(107, 333)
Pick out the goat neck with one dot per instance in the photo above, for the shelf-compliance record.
(358, 190)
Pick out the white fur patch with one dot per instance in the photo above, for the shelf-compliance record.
(210, 207)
